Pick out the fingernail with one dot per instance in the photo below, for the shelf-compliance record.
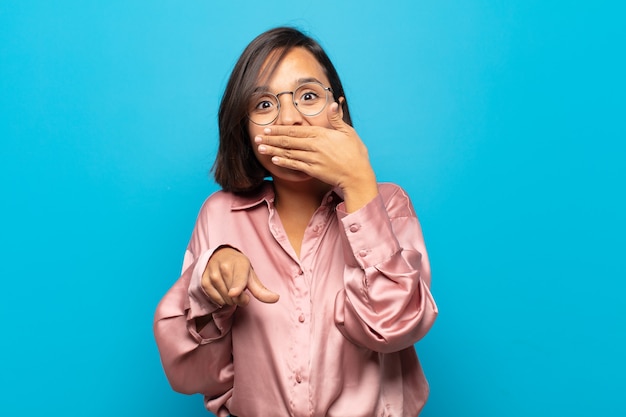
(267, 130)
(258, 139)
(262, 149)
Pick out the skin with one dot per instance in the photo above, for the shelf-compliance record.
(306, 156)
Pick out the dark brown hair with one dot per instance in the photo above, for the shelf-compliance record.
(236, 168)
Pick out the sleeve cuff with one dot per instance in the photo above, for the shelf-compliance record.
(368, 237)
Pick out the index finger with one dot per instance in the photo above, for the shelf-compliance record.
(258, 290)
(291, 131)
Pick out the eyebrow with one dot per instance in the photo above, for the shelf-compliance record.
(308, 80)
(299, 81)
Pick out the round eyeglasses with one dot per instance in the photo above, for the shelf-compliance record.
(309, 99)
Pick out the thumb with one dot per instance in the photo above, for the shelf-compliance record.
(335, 116)
(258, 290)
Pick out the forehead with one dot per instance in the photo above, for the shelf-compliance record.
(295, 66)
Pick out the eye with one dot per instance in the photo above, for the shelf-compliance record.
(308, 95)
(262, 104)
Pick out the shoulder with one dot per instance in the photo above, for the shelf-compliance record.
(216, 206)
(219, 200)
(396, 200)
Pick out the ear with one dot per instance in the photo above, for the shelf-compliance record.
(342, 102)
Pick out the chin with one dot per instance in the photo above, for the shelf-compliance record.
(290, 175)
(295, 176)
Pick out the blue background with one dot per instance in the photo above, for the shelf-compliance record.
(504, 120)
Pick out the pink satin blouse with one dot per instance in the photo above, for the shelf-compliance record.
(338, 343)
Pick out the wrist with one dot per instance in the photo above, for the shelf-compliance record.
(357, 194)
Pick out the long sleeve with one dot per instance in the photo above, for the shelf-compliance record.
(339, 340)
(195, 362)
(386, 304)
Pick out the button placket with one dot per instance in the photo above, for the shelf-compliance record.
(301, 333)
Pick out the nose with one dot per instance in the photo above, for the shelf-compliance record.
(289, 114)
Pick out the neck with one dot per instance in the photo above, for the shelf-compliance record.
(296, 203)
(302, 197)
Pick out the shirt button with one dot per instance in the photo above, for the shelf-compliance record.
(355, 227)
(301, 318)
(362, 253)
(298, 378)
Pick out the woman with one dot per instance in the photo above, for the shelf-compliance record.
(304, 294)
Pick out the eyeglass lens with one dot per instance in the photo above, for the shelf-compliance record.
(309, 98)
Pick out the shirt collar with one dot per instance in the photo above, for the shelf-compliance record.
(265, 193)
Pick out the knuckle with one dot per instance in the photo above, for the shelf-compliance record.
(224, 267)
(214, 278)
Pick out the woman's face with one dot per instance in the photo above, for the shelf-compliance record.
(298, 66)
